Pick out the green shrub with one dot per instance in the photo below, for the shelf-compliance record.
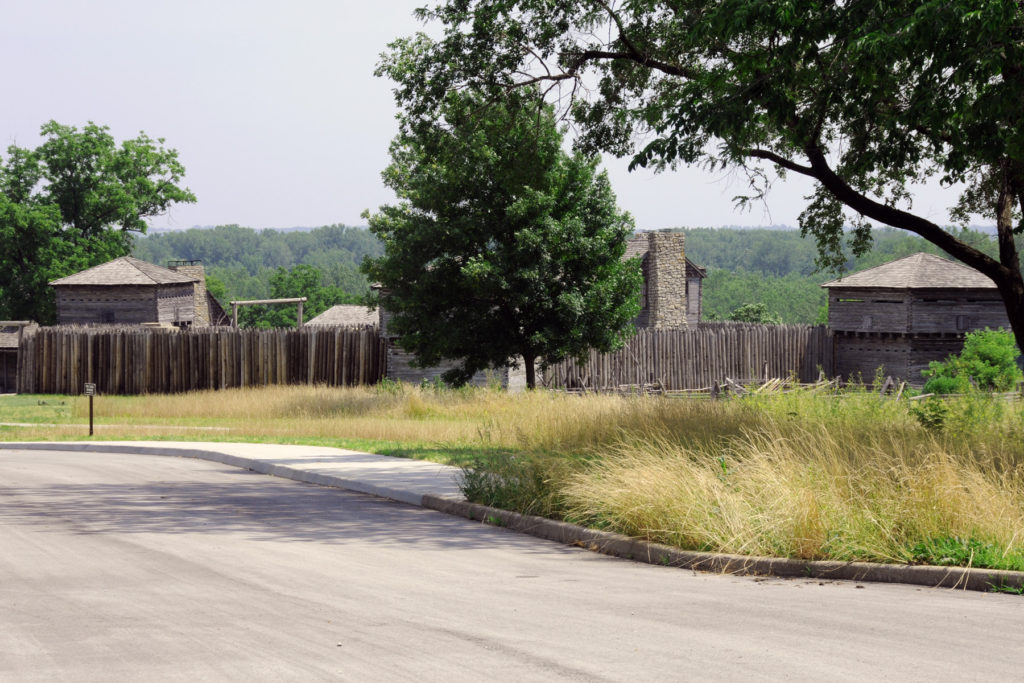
(931, 413)
(528, 483)
(755, 313)
(988, 361)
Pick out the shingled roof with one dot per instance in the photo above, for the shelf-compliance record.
(9, 335)
(917, 271)
(346, 314)
(124, 271)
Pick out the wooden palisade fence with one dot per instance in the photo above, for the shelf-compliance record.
(697, 357)
(134, 360)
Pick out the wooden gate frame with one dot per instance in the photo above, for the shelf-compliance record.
(236, 304)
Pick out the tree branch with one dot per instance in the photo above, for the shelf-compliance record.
(779, 160)
(903, 220)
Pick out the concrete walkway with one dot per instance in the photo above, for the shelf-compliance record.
(399, 479)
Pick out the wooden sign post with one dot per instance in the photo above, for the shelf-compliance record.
(90, 391)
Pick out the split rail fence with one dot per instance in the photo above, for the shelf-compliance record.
(698, 357)
(133, 360)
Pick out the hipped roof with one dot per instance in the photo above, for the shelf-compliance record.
(125, 271)
(346, 314)
(917, 271)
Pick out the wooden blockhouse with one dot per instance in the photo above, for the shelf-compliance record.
(904, 314)
(129, 291)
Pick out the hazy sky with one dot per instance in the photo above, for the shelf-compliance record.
(273, 107)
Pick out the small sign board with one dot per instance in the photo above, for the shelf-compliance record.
(90, 389)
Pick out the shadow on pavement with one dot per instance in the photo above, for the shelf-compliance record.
(262, 507)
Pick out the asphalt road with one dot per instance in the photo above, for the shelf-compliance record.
(128, 567)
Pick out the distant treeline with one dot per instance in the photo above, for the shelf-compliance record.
(777, 267)
(242, 263)
(773, 267)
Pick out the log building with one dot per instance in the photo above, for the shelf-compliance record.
(129, 291)
(904, 314)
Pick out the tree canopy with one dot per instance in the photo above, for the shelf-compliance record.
(74, 202)
(502, 246)
(864, 98)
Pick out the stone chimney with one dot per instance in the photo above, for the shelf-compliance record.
(195, 269)
(666, 279)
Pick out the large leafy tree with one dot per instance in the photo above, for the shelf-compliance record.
(502, 246)
(74, 202)
(865, 98)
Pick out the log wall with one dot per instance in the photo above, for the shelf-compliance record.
(939, 312)
(95, 305)
(133, 360)
(946, 311)
(696, 358)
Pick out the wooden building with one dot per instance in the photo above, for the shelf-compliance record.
(11, 333)
(904, 314)
(129, 291)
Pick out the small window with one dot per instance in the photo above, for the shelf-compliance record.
(963, 323)
(107, 317)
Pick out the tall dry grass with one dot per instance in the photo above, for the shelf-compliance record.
(813, 493)
(802, 475)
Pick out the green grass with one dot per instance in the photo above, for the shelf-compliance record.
(35, 409)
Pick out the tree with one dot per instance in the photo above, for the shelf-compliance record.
(302, 280)
(502, 246)
(755, 313)
(74, 202)
(865, 98)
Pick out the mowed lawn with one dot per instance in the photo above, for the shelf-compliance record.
(810, 474)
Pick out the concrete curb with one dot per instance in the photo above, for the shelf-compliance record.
(604, 542)
(740, 565)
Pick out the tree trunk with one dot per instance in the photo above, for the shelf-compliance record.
(1012, 291)
(1010, 282)
(531, 371)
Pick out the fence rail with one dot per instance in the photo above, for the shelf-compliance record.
(133, 360)
(697, 357)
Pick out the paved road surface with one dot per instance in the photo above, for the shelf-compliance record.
(128, 567)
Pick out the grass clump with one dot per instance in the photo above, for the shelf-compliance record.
(804, 492)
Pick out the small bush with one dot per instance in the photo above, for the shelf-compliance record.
(988, 362)
(931, 413)
(522, 482)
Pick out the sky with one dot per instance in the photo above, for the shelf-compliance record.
(274, 109)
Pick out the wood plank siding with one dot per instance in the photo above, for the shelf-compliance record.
(401, 369)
